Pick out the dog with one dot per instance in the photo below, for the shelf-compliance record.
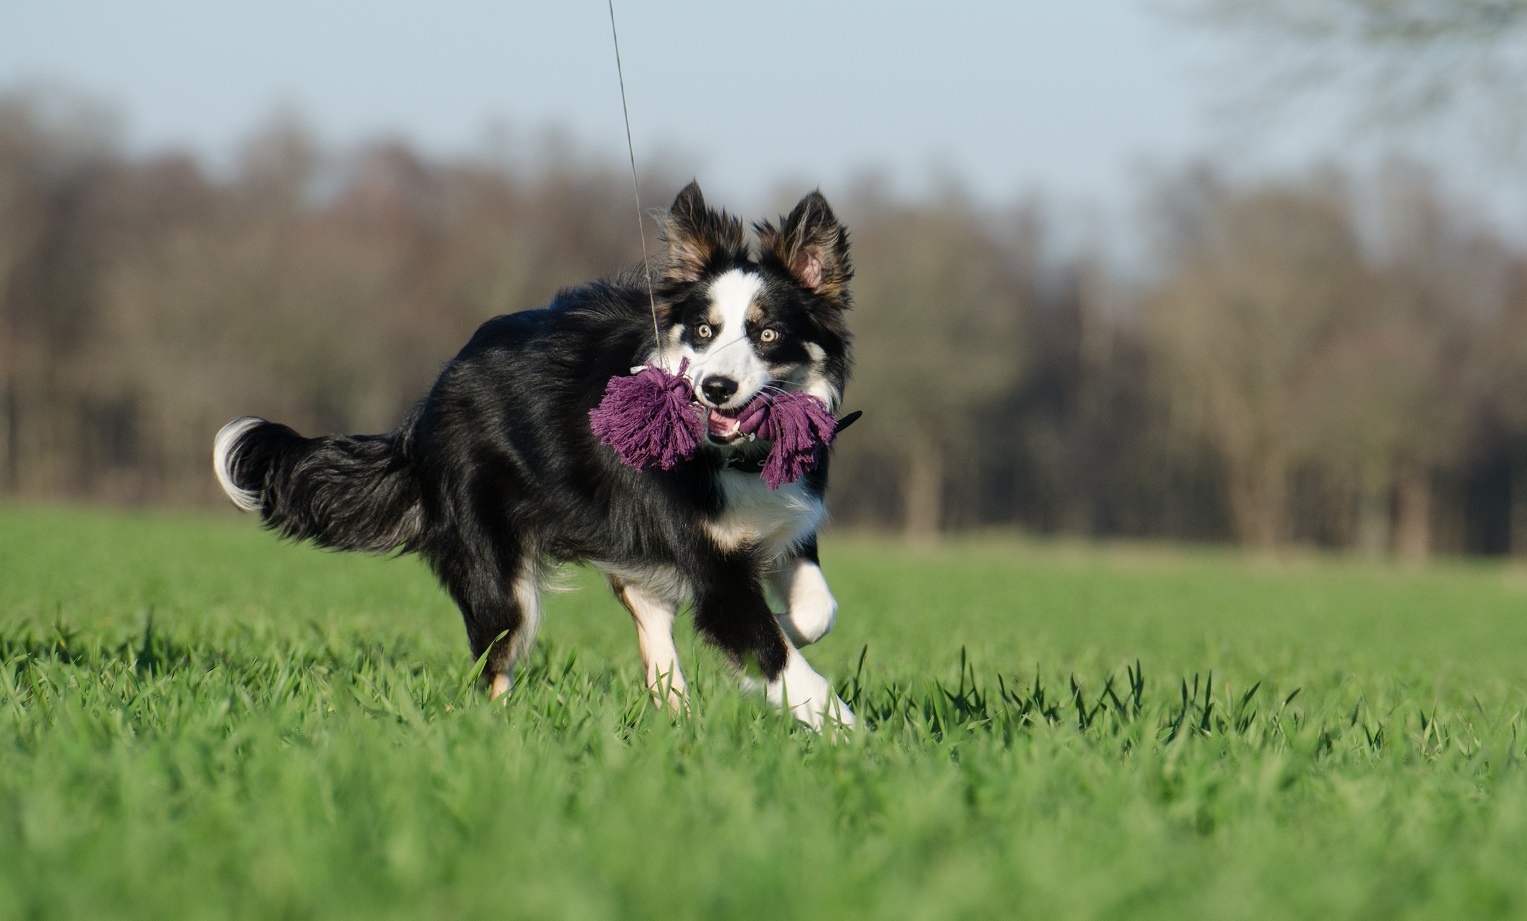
(496, 476)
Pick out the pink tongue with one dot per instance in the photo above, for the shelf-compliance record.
(721, 424)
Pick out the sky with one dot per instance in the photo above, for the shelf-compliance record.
(1075, 101)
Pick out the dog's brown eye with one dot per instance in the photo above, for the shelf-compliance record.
(768, 335)
(703, 331)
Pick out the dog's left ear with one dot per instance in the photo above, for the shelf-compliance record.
(812, 246)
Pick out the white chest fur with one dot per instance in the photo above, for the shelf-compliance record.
(774, 520)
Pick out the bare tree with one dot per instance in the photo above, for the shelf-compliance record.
(53, 153)
(1500, 375)
(936, 326)
(1407, 60)
(1259, 282)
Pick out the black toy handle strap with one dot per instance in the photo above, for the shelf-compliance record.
(847, 420)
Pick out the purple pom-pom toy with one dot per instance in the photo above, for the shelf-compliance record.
(651, 419)
(798, 424)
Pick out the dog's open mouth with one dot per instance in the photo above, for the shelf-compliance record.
(722, 427)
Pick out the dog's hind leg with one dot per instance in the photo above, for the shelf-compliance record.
(525, 590)
(653, 611)
(500, 601)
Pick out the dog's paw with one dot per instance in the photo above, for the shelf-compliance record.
(668, 691)
(808, 696)
(811, 610)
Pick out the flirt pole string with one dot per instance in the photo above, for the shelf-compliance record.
(641, 227)
(651, 418)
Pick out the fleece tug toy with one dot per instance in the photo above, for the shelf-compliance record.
(651, 419)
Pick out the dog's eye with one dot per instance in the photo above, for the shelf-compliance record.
(703, 331)
(768, 335)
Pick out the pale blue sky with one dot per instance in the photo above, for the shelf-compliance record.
(1070, 98)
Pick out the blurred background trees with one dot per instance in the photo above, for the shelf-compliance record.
(1408, 61)
(1314, 360)
(939, 344)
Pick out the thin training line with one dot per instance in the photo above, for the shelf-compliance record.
(641, 226)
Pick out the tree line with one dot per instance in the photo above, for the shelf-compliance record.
(1316, 359)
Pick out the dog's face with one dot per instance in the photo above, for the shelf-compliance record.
(748, 324)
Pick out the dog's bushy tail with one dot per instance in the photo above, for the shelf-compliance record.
(345, 492)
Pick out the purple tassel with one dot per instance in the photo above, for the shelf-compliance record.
(798, 424)
(650, 418)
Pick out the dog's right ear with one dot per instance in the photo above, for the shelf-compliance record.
(699, 238)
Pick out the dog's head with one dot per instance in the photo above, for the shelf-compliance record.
(747, 322)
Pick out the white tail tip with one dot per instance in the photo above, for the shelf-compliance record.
(224, 449)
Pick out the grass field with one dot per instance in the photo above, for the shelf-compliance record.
(200, 722)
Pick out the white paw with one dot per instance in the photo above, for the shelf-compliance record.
(668, 690)
(805, 625)
(811, 610)
(808, 696)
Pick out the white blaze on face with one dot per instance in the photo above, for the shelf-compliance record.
(730, 353)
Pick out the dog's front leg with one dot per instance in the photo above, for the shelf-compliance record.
(809, 608)
(653, 613)
(731, 612)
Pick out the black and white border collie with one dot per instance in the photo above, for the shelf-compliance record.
(496, 475)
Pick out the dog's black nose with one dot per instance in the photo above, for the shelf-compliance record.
(718, 389)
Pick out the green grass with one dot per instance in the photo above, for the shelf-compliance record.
(197, 721)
